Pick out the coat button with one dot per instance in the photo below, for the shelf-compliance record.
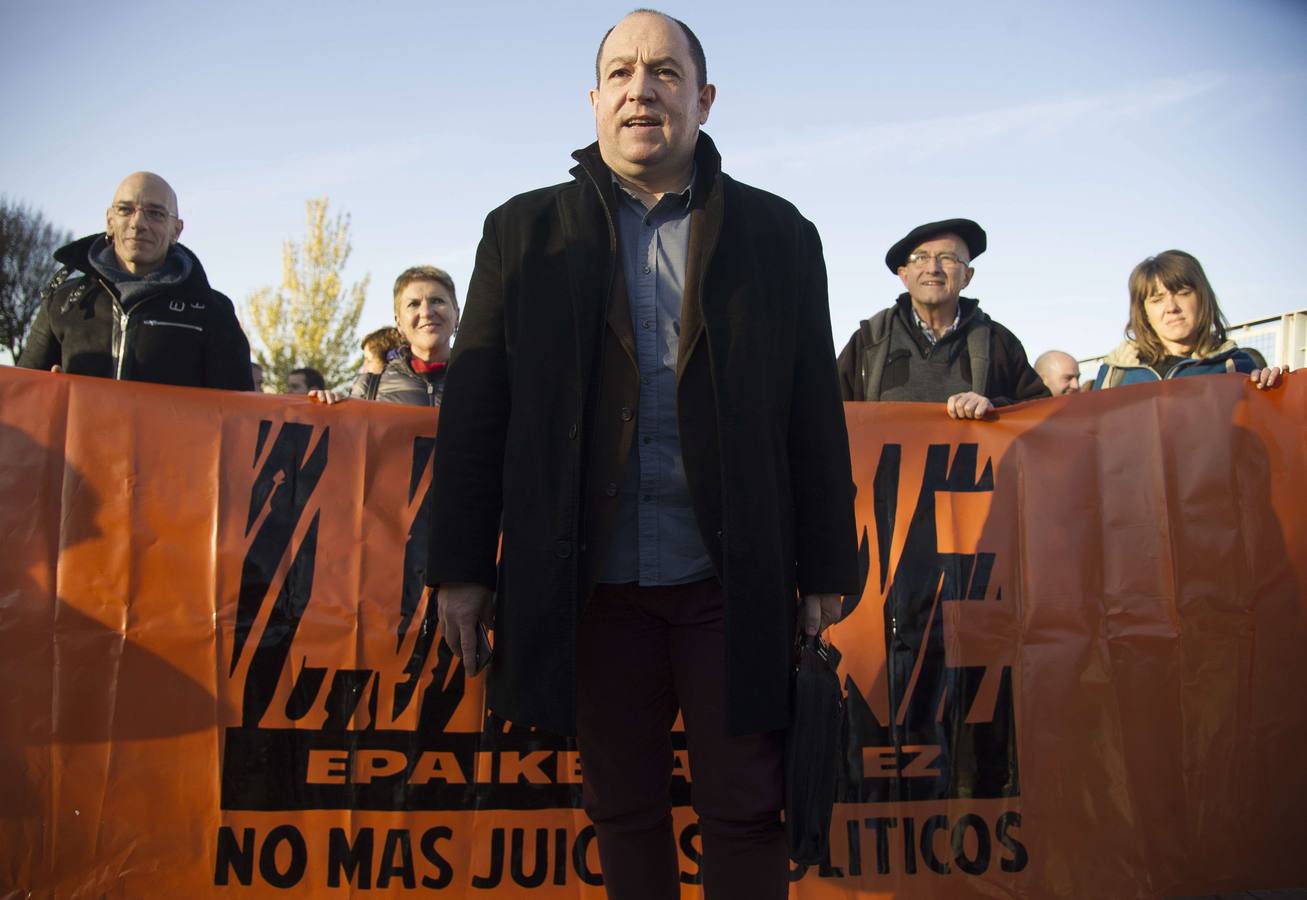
(563, 549)
(571, 432)
(611, 490)
(626, 414)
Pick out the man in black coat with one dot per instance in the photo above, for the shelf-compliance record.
(133, 304)
(642, 402)
(934, 345)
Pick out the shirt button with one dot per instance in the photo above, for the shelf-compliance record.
(647, 270)
(644, 379)
(647, 497)
(611, 490)
(646, 324)
(647, 439)
(625, 414)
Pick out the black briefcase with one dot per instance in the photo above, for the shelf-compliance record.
(812, 750)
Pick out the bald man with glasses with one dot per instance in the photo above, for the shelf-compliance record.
(130, 303)
(934, 345)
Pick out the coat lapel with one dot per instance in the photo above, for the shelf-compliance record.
(591, 241)
(705, 229)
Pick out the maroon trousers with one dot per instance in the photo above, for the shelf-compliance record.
(642, 653)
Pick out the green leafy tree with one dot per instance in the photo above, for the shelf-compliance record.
(27, 242)
(311, 319)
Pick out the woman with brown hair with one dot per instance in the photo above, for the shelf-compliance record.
(379, 348)
(1176, 329)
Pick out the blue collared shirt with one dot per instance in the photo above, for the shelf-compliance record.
(655, 539)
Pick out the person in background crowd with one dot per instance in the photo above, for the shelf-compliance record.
(256, 372)
(934, 345)
(1060, 372)
(133, 304)
(426, 316)
(380, 347)
(305, 381)
(1176, 329)
(664, 454)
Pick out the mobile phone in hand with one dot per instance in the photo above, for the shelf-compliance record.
(484, 652)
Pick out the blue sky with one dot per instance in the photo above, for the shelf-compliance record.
(1082, 136)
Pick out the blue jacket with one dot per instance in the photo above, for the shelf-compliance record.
(1123, 366)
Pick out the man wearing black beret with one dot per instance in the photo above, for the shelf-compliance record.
(934, 345)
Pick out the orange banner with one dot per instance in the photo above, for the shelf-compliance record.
(1074, 669)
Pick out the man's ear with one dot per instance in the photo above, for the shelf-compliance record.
(707, 94)
(177, 230)
(967, 280)
(903, 276)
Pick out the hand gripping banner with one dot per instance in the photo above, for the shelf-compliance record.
(1076, 667)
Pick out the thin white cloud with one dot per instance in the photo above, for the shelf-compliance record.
(892, 139)
(306, 176)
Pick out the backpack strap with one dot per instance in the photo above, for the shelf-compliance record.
(371, 384)
(978, 350)
(873, 356)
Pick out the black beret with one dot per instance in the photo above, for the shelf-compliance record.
(969, 231)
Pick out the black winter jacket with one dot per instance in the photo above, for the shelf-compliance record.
(186, 335)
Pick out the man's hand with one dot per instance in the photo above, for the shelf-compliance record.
(969, 406)
(820, 611)
(58, 368)
(462, 607)
(328, 396)
(1266, 378)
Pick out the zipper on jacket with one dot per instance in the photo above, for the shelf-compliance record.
(1188, 361)
(120, 318)
(173, 324)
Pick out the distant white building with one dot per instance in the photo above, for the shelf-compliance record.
(1281, 339)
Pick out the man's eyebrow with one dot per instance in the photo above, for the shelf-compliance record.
(651, 63)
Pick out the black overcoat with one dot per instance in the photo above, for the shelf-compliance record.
(762, 433)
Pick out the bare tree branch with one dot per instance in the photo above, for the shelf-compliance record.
(27, 245)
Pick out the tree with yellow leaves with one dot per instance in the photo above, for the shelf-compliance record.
(310, 320)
